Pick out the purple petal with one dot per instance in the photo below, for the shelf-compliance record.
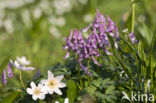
(10, 72)
(67, 55)
(95, 61)
(4, 77)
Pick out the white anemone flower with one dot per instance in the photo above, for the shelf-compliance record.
(53, 84)
(125, 30)
(37, 92)
(22, 64)
(65, 101)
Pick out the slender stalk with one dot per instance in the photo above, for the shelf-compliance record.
(78, 69)
(133, 16)
(21, 80)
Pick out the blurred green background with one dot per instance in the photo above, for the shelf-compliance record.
(37, 28)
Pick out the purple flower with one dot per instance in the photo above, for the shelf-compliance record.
(95, 61)
(4, 77)
(10, 72)
(37, 73)
(132, 38)
(98, 40)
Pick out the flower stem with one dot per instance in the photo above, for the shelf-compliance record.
(133, 16)
(21, 80)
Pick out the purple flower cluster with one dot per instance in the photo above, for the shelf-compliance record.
(98, 40)
(133, 38)
(10, 74)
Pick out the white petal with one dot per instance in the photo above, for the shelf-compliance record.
(50, 91)
(58, 91)
(50, 75)
(44, 90)
(16, 64)
(34, 97)
(43, 82)
(59, 78)
(40, 85)
(28, 68)
(29, 91)
(66, 100)
(116, 45)
(23, 60)
(61, 85)
(57, 102)
(33, 85)
(41, 96)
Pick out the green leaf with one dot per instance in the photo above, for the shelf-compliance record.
(107, 82)
(98, 82)
(118, 57)
(110, 89)
(72, 90)
(4, 63)
(91, 89)
(10, 98)
(146, 34)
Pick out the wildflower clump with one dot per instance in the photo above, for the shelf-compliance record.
(50, 85)
(98, 32)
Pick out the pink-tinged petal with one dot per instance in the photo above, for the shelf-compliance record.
(50, 75)
(58, 91)
(29, 91)
(61, 85)
(33, 85)
(59, 78)
(34, 97)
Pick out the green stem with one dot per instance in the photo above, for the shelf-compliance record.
(21, 80)
(78, 69)
(133, 16)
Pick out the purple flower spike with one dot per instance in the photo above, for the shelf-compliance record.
(86, 29)
(132, 37)
(10, 72)
(97, 40)
(4, 77)
(85, 69)
(67, 55)
(95, 61)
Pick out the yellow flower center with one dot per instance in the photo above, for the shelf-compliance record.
(37, 91)
(52, 83)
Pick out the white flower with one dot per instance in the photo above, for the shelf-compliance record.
(21, 63)
(54, 31)
(53, 84)
(37, 91)
(125, 30)
(65, 101)
(37, 13)
(87, 18)
(23, 60)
